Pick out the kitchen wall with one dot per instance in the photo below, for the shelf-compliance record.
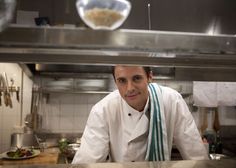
(67, 112)
(10, 118)
(227, 115)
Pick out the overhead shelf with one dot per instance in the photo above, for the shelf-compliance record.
(86, 46)
(80, 46)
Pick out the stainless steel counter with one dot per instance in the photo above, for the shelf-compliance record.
(229, 163)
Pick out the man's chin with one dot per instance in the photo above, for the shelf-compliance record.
(132, 104)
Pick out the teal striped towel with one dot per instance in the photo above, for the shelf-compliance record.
(157, 149)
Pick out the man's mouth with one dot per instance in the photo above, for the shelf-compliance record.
(131, 95)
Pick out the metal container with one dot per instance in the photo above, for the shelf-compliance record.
(71, 150)
(68, 149)
(216, 156)
(23, 140)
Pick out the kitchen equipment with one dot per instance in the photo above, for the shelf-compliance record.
(5, 89)
(216, 124)
(103, 14)
(204, 124)
(71, 150)
(23, 140)
(7, 8)
(210, 133)
(33, 121)
(68, 149)
(217, 156)
(7, 93)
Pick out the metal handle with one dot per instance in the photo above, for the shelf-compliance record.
(17, 94)
(149, 17)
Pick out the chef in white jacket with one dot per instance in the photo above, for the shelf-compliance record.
(122, 127)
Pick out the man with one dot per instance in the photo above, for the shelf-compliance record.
(139, 121)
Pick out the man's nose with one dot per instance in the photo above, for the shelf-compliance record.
(130, 86)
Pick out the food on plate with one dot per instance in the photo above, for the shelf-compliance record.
(20, 153)
(102, 17)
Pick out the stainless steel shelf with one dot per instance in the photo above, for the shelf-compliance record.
(195, 56)
(74, 92)
(85, 46)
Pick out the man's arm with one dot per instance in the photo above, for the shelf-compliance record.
(186, 134)
(95, 140)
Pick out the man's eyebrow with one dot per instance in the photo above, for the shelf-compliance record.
(138, 75)
(120, 78)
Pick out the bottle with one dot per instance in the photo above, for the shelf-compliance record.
(210, 134)
(206, 144)
(218, 143)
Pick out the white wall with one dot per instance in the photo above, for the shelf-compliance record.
(67, 112)
(227, 115)
(10, 117)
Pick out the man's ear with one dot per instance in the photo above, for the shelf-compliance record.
(150, 76)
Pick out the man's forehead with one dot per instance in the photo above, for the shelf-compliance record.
(135, 68)
(123, 71)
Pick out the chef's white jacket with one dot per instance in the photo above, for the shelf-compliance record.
(118, 133)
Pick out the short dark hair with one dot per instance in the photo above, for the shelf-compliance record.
(146, 69)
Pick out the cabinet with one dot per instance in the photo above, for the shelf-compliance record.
(212, 16)
(138, 18)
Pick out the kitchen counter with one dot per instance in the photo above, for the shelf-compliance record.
(48, 156)
(229, 163)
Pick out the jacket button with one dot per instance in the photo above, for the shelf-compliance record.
(129, 114)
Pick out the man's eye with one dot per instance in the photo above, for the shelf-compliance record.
(137, 78)
(121, 80)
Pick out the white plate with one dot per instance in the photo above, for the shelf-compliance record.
(5, 156)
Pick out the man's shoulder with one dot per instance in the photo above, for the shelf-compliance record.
(114, 95)
(112, 98)
(168, 92)
(108, 107)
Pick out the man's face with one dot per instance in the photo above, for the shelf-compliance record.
(132, 83)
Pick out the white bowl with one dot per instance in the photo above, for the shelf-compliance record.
(103, 14)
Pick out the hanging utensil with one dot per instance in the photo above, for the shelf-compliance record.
(8, 95)
(0, 93)
(18, 94)
(205, 122)
(216, 124)
(149, 17)
(4, 90)
(0, 98)
(1, 89)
